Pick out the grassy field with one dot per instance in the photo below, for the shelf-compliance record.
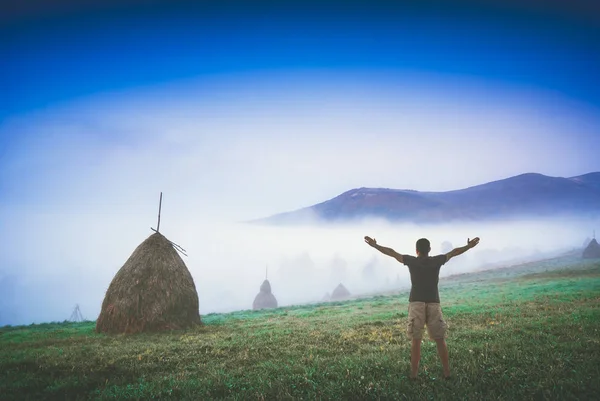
(525, 332)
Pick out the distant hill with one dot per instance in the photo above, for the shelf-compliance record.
(531, 195)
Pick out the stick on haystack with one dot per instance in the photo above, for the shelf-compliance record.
(153, 291)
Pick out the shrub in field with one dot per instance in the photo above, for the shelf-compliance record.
(153, 291)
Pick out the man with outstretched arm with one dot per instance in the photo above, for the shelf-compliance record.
(424, 303)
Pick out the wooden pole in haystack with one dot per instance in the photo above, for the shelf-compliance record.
(177, 247)
(159, 207)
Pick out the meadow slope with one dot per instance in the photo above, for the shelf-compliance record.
(523, 332)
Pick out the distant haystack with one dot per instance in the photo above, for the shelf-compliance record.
(592, 251)
(265, 298)
(153, 291)
(340, 293)
(326, 297)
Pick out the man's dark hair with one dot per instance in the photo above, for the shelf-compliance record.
(423, 246)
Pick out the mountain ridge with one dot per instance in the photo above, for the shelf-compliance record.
(528, 194)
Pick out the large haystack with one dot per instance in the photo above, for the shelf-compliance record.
(592, 251)
(153, 291)
(265, 298)
(340, 293)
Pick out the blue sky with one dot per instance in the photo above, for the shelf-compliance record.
(53, 58)
(283, 57)
(239, 112)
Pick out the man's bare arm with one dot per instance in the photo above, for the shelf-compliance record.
(385, 250)
(459, 251)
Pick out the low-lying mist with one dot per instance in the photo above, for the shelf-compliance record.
(45, 276)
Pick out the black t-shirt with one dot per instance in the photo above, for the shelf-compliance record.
(424, 276)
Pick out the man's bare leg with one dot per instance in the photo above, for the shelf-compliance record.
(443, 353)
(415, 357)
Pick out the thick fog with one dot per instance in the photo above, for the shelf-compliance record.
(80, 185)
(73, 262)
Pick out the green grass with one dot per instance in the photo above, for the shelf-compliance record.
(529, 332)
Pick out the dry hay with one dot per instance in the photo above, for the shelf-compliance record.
(340, 293)
(265, 298)
(592, 251)
(153, 291)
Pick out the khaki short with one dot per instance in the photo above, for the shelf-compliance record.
(421, 314)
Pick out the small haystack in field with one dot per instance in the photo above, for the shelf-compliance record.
(592, 251)
(340, 293)
(265, 298)
(153, 291)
